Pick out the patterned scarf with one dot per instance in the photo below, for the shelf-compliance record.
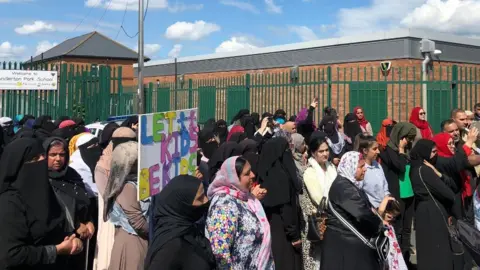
(227, 182)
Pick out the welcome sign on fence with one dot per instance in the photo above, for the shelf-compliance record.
(168, 148)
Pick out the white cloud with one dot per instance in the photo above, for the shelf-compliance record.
(175, 51)
(122, 4)
(459, 16)
(150, 49)
(44, 46)
(190, 31)
(453, 16)
(303, 32)
(35, 27)
(240, 5)
(380, 15)
(272, 7)
(15, 1)
(327, 27)
(180, 7)
(11, 52)
(237, 43)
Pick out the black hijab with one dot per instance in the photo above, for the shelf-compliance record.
(277, 172)
(44, 122)
(174, 216)
(421, 152)
(226, 150)
(351, 126)
(240, 114)
(66, 179)
(249, 125)
(249, 146)
(210, 123)
(256, 119)
(329, 126)
(204, 141)
(130, 121)
(221, 130)
(107, 133)
(253, 159)
(29, 180)
(90, 153)
(79, 121)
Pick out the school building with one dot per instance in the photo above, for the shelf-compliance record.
(387, 73)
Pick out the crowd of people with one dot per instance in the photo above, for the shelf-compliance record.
(269, 192)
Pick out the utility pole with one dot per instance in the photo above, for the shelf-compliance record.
(141, 98)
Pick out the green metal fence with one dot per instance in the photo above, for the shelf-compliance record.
(97, 94)
(381, 95)
(93, 93)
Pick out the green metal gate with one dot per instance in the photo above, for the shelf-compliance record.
(372, 97)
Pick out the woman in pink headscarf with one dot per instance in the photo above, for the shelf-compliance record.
(236, 225)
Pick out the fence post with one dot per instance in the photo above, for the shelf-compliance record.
(120, 90)
(329, 86)
(62, 96)
(247, 90)
(149, 98)
(190, 93)
(454, 95)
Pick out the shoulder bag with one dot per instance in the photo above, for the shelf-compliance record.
(317, 222)
(380, 244)
(456, 245)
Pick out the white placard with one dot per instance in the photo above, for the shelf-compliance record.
(168, 148)
(28, 80)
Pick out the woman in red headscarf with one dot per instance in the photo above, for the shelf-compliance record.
(454, 164)
(364, 124)
(424, 130)
(384, 134)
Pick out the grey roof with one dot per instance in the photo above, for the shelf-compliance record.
(91, 45)
(398, 44)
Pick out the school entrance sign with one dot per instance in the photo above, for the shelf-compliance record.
(28, 80)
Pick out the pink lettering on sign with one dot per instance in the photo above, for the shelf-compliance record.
(154, 180)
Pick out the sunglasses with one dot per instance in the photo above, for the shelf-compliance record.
(422, 113)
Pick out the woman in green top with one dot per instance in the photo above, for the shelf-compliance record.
(395, 164)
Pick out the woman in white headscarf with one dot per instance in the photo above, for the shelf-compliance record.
(342, 249)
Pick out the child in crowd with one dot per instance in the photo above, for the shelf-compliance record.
(395, 259)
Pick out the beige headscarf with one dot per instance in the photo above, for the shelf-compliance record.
(124, 157)
(106, 158)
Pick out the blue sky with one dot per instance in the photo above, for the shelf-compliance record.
(176, 28)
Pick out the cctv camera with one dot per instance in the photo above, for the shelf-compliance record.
(437, 52)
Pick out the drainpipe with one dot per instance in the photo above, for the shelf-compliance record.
(425, 63)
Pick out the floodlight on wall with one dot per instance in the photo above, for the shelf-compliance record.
(294, 74)
(181, 80)
(158, 83)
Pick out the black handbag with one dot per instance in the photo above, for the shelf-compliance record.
(456, 246)
(381, 243)
(470, 237)
(317, 222)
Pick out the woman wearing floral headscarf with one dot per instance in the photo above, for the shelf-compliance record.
(237, 226)
(364, 124)
(342, 249)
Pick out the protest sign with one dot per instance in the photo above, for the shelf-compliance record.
(168, 148)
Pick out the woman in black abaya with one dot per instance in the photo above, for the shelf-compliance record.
(431, 215)
(277, 173)
(335, 140)
(351, 129)
(221, 130)
(177, 242)
(226, 150)
(32, 227)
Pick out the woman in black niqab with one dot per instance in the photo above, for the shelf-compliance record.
(226, 150)
(207, 142)
(221, 130)
(277, 173)
(107, 133)
(431, 214)
(177, 242)
(32, 220)
(131, 122)
(91, 153)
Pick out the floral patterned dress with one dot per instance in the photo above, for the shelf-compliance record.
(235, 234)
